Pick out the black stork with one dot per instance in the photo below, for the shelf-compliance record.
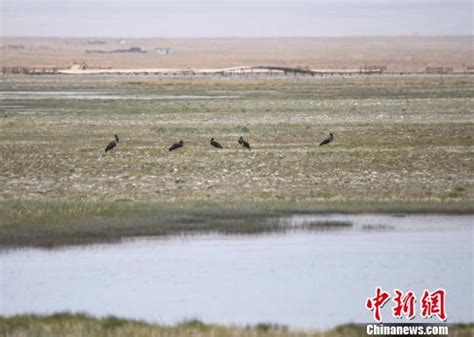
(176, 145)
(215, 143)
(244, 143)
(327, 140)
(112, 144)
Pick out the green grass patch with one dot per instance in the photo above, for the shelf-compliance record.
(56, 223)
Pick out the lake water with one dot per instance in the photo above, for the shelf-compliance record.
(304, 279)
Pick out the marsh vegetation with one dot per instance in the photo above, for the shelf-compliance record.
(82, 325)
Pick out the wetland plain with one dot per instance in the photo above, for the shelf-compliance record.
(403, 149)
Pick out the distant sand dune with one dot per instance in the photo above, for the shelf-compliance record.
(397, 53)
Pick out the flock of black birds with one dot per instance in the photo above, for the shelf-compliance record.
(245, 144)
(213, 143)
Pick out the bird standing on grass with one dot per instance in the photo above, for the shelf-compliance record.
(215, 143)
(328, 139)
(112, 144)
(176, 145)
(244, 143)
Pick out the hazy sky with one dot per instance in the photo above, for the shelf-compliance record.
(192, 18)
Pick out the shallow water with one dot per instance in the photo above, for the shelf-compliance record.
(302, 278)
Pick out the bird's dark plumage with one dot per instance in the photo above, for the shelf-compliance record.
(244, 143)
(215, 143)
(112, 144)
(176, 145)
(328, 139)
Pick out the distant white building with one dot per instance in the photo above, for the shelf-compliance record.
(163, 51)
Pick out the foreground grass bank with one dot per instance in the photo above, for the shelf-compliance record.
(72, 325)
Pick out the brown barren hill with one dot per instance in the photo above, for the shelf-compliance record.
(399, 54)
